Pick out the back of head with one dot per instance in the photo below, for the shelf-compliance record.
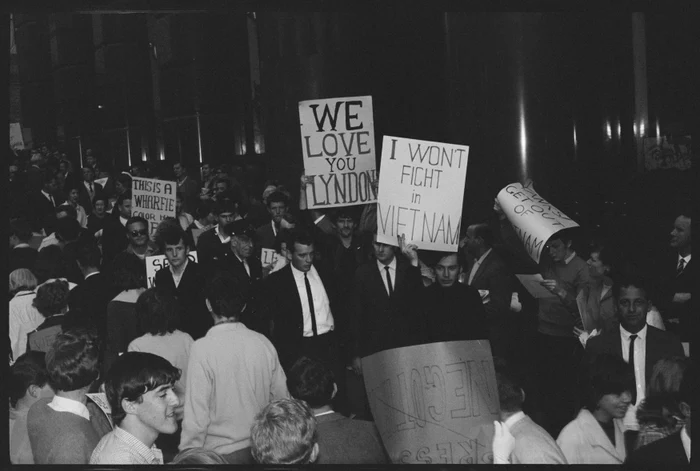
(198, 456)
(21, 229)
(88, 255)
(28, 370)
(661, 401)
(284, 432)
(157, 312)
(510, 391)
(224, 294)
(124, 196)
(67, 209)
(607, 374)
(484, 232)
(277, 197)
(172, 234)
(128, 272)
(311, 381)
(51, 298)
(133, 374)
(49, 264)
(68, 229)
(72, 361)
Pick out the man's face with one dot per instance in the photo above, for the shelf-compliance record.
(383, 252)
(90, 161)
(558, 250)
(63, 167)
(138, 234)
(632, 308)
(220, 188)
(206, 170)
(177, 169)
(125, 209)
(119, 187)
(74, 196)
(277, 210)
(447, 270)
(346, 226)
(178, 205)
(615, 405)
(472, 243)
(242, 246)
(52, 186)
(99, 207)
(303, 257)
(225, 218)
(156, 409)
(680, 235)
(176, 254)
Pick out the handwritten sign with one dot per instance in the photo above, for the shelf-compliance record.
(435, 403)
(100, 399)
(153, 200)
(421, 189)
(337, 140)
(534, 219)
(268, 257)
(158, 262)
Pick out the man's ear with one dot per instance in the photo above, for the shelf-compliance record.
(335, 390)
(314, 453)
(208, 305)
(522, 394)
(129, 406)
(34, 391)
(685, 409)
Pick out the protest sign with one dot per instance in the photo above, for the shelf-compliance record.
(533, 283)
(337, 141)
(153, 200)
(100, 400)
(435, 403)
(102, 181)
(421, 190)
(532, 217)
(268, 257)
(158, 262)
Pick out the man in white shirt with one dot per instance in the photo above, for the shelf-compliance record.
(139, 388)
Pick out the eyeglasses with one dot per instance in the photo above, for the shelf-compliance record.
(139, 233)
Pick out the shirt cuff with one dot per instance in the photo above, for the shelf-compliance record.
(319, 219)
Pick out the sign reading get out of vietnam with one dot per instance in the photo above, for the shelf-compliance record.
(337, 140)
(153, 200)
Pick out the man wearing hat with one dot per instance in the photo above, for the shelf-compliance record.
(243, 264)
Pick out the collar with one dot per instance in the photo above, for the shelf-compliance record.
(686, 258)
(510, 421)
(300, 274)
(685, 439)
(91, 274)
(122, 220)
(48, 195)
(641, 335)
(274, 229)
(226, 326)
(63, 404)
(392, 265)
(199, 225)
(239, 258)
(569, 258)
(21, 245)
(481, 259)
(148, 454)
(333, 412)
(180, 182)
(184, 267)
(87, 183)
(221, 238)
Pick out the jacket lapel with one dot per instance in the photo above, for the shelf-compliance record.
(482, 268)
(598, 437)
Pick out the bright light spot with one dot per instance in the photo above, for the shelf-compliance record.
(641, 130)
(99, 106)
(619, 129)
(162, 155)
(658, 129)
(608, 129)
(143, 155)
(634, 128)
(575, 139)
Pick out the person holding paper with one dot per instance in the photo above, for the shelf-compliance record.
(277, 206)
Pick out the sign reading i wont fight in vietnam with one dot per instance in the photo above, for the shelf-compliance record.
(421, 189)
(337, 141)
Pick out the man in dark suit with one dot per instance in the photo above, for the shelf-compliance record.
(454, 309)
(21, 254)
(637, 343)
(185, 280)
(188, 186)
(88, 190)
(213, 246)
(114, 234)
(277, 205)
(341, 440)
(88, 301)
(674, 449)
(387, 307)
(35, 178)
(43, 203)
(487, 272)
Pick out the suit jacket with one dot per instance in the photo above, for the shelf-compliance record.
(347, 441)
(238, 270)
(493, 275)
(282, 307)
(455, 313)
(211, 252)
(380, 322)
(265, 237)
(533, 445)
(664, 452)
(190, 192)
(84, 195)
(114, 240)
(88, 301)
(22, 257)
(194, 315)
(672, 283)
(42, 211)
(659, 345)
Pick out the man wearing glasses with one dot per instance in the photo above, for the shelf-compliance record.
(139, 242)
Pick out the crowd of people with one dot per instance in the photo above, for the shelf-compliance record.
(251, 351)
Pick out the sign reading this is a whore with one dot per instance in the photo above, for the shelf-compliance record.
(337, 141)
(153, 200)
(421, 188)
(156, 263)
(434, 403)
(534, 219)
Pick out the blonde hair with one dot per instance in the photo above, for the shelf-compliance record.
(22, 279)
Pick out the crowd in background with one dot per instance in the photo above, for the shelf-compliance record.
(242, 356)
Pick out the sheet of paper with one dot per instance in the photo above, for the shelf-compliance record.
(532, 284)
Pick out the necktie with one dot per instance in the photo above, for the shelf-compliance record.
(388, 281)
(311, 305)
(681, 266)
(631, 363)
(247, 267)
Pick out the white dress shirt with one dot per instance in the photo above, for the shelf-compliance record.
(476, 266)
(223, 239)
(686, 258)
(48, 197)
(685, 438)
(24, 318)
(640, 352)
(392, 273)
(322, 306)
(63, 404)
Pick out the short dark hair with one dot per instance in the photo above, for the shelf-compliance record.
(124, 196)
(157, 312)
(28, 370)
(225, 295)
(132, 375)
(135, 219)
(100, 197)
(311, 381)
(88, 255)
(172, 236)
(565, 235)
(21, 229)
(625, 281)
(128, 272)
(484, 232)
(68, 229)
(301, 237)
(72, 360)
(49, 263)
(48, 175)
(607, 374)
(510, 391)
(125, 180)
(224, 206)
(277, 197)
(51, 298)
(203, 209)
(283, 432)
(68, 209)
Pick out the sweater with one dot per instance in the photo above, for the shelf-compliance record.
(64, 437)
(558, 317)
